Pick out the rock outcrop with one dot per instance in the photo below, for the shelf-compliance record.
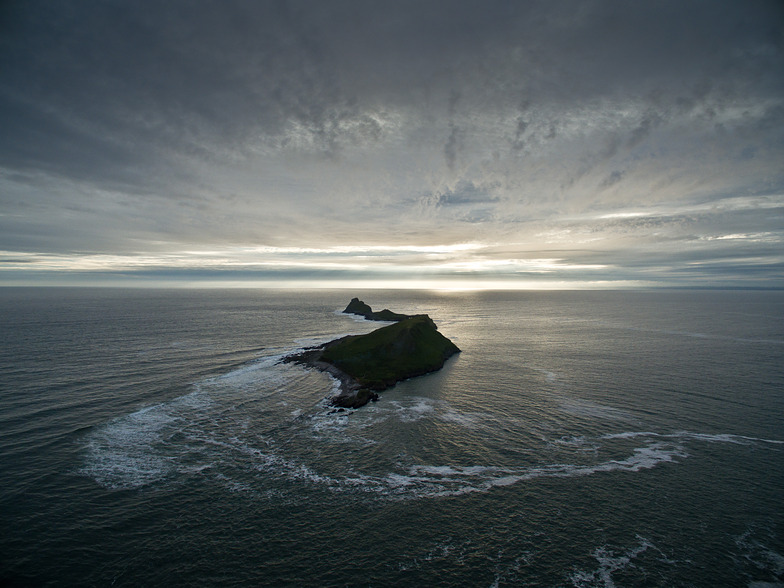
(356, 306)
(368, 364)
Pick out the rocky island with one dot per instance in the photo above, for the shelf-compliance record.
(368, 364)
(356, 306)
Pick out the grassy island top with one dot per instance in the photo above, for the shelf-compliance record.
(411, 347)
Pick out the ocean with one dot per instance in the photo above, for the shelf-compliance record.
(153, 438)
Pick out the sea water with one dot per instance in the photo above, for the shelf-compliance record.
(153, 437)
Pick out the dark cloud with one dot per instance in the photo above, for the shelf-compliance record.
(467, 193)
(615, 177)
(452, 145)
(133, 121)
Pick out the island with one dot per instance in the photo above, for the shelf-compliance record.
(367, 364)
(356, 306)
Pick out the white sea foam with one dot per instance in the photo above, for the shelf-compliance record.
(688, 435)
(630, 435)
(548, 375)
(142, 448)
(417, 408)
(264, 374)
(121, 454)
(427, 481)
(467, 420)
(414, 409)
(579, 443)
(355, 317)
(728, 438)
(609, 563)
(755, 549)
(188, 436)
(162, 440)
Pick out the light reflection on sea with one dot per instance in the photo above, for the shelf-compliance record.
(579, 439)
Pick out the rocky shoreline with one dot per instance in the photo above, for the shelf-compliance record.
(349, 396)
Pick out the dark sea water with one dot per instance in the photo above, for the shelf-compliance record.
(151, 438)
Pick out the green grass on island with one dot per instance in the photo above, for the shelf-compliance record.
(377, 360)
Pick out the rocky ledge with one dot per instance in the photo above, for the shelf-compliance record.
(368, 364)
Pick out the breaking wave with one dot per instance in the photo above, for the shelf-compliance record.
(253, 427)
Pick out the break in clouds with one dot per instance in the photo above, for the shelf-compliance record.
(515, 142)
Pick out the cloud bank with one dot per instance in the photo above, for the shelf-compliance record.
(507, 143)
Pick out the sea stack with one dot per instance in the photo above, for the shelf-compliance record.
(356, 306)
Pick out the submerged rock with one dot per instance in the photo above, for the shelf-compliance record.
(367, 364)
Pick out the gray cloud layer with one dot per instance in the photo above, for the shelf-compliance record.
(643, 137)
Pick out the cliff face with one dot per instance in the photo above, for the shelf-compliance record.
(366, 364)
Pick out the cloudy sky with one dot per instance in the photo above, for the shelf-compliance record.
(400, 143)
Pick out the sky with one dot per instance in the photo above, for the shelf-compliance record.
(451, 144)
